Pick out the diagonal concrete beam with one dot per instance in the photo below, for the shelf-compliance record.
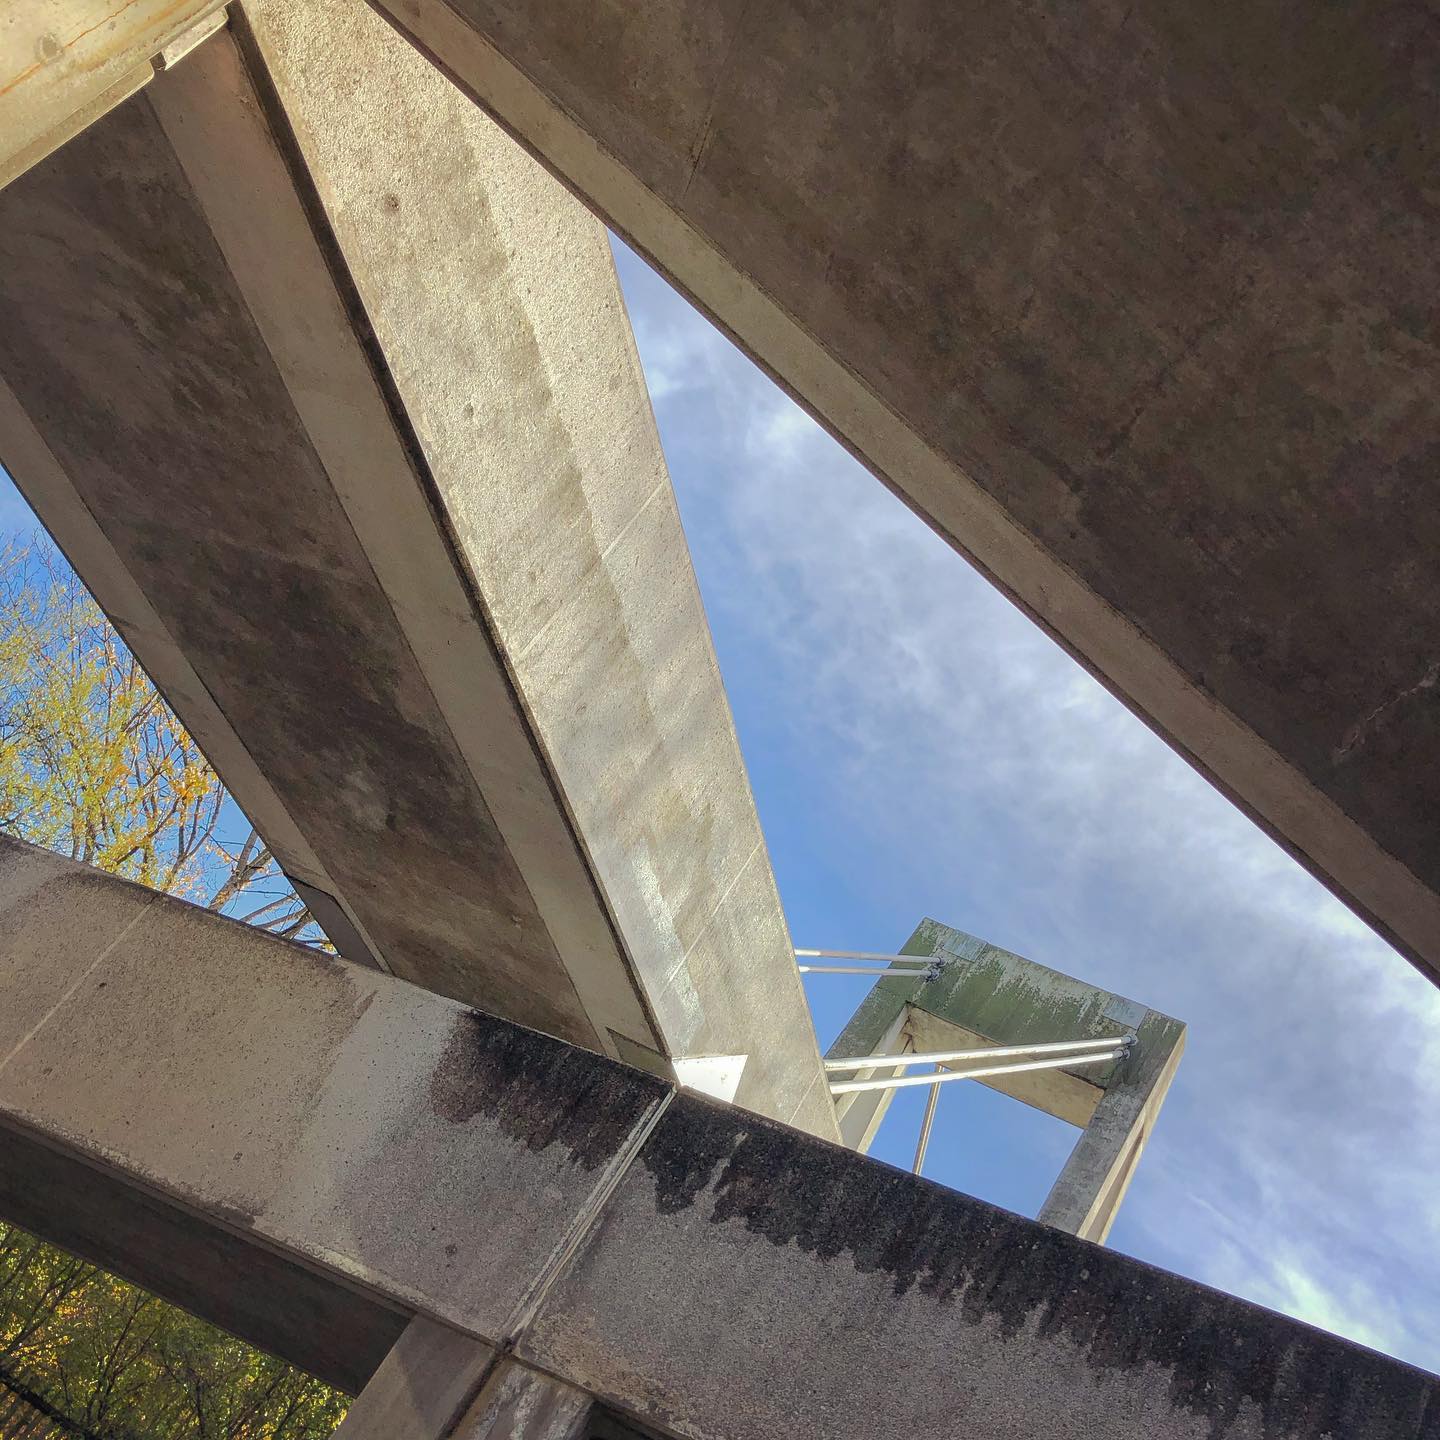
(1138, 324)
(710, 1273)
(355, 449)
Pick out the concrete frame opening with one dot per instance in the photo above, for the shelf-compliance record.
(975, 998)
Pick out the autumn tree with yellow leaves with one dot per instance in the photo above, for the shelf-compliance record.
(94, 765)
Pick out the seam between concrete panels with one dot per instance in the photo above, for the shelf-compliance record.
(582, 1226)
(600, 559)
(79, 980)
(700, 934)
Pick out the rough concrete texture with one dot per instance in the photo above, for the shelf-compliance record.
(422, 1387)
(746, 1281)
(125, 336)
(493, 295)
(518, 1404)
(425, 430)
(716, 1275)
(362, 1124)
(1141, 321)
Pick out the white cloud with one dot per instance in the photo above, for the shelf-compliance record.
(977, 767)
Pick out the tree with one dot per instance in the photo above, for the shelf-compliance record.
(94, 764)
(108, 1361)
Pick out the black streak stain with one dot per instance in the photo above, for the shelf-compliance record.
(1019, 1276)
(538, 1091)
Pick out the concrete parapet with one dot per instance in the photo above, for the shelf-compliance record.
(707, 1272)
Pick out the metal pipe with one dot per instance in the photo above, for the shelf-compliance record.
(993, 1052)
(896, 1082)
(855, 970)
(866, 955)
(925, 1125)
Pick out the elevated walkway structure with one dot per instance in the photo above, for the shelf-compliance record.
(327, 391)
(331, 1162)
(1089, 1057)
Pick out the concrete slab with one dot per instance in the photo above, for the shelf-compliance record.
(1136, 323)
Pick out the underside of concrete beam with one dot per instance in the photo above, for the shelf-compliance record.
(710, 1273)
(1140, 322)
(327, 391)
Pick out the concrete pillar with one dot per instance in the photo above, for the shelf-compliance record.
(1086, 1196)
(861, 1113)
(423, 1386)
(518, 1403)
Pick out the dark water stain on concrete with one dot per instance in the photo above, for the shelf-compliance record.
(1022, 1278)
(540, 1091)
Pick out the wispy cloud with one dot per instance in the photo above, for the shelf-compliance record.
(954, 761)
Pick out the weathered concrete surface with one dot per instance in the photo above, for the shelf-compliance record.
(519, 1404)
(64, 63)
(508, 344)
(1086, 1197)
(352, 1121)
(1139, 320)
(985, 996)
(791, 1268)
(440, 635)
(716, 1275)
(423, 1386)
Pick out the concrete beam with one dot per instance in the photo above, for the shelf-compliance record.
(707, 1272)
(65, 63)
(1138, 325)
(328, 392)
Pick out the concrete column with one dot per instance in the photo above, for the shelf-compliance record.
(518, 1403)
(861, 1113)
(423, 1386)
(1086, 1196)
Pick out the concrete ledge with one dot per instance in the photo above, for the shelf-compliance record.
(746, 1281)
(704, 1271)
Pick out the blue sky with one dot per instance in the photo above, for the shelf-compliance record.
(918, 747)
